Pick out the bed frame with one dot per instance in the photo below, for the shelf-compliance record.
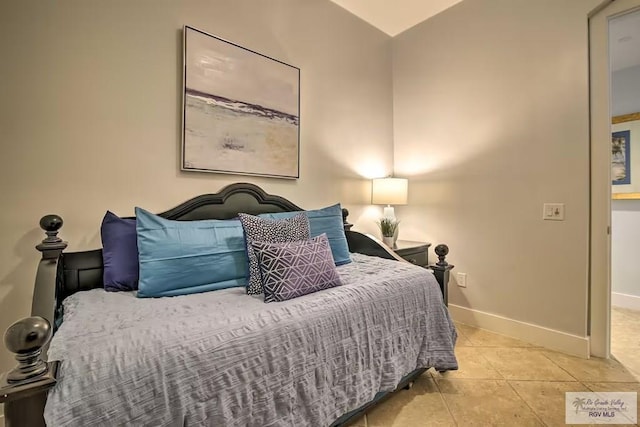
(60, 274)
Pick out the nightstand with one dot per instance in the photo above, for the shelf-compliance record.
(415, 252)
(418, 253)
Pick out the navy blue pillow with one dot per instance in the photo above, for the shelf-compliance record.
(119, 253)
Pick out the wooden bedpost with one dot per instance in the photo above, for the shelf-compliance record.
(24, 389)
(44, 292)
(346, 224)
(441, 270)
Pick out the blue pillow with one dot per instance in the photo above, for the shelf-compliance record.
(186, 257)
(327, 220)
(119, 253)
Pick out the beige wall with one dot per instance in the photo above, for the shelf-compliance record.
(90, 113)
(490, 121)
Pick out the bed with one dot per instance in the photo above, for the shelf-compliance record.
(224, 357)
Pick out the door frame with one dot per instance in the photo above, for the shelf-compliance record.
(599, 327)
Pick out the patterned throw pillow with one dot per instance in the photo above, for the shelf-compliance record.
(268, 230)
(293, 269)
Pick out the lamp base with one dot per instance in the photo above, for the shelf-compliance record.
(389, 212)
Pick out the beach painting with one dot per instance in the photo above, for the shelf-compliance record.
(620, 158)
(241, 110)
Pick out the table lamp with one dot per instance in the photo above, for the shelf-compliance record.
(389, 191)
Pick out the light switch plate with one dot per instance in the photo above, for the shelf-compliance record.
(553, 211)
(462, 279)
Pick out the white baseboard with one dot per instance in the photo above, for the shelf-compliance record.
(625, 301)
(527, 332)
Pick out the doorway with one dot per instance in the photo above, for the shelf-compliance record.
(624, 51)
(601, 171)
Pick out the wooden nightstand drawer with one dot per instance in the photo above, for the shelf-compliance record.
(414, 252)
(417, 258)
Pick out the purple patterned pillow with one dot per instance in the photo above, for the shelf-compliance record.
(268, 230)
(293, 269)
(119, 253)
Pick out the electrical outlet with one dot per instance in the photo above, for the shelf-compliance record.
(462, 279)
(553, 211)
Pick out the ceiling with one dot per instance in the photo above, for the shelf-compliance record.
(395, 16)
(624, 41)
(624, 30)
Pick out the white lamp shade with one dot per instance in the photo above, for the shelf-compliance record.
(389, 191)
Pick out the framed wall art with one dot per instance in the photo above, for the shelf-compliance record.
(620, 158)
(241, 110)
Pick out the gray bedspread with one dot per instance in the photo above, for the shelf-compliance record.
(224, 358)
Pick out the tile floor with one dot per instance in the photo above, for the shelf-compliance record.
(502, 381)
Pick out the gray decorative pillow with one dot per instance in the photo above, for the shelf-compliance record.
(293, 269)
(269, 230)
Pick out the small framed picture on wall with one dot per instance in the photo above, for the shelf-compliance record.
(620, 157)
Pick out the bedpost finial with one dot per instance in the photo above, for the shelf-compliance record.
(345, 223)
(52, 245)
(442, 250)
(51, 224)
(25, 338)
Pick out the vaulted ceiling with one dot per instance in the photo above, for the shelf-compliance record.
(395, 16)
